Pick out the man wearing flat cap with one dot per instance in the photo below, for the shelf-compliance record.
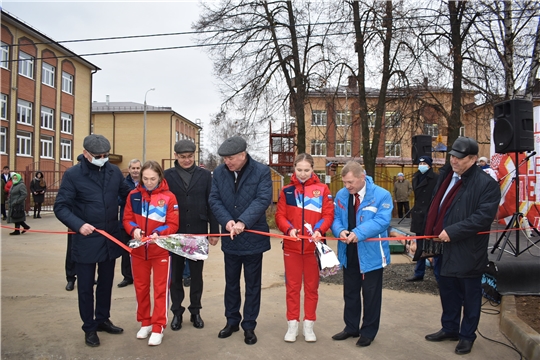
(241, 193)
(464, 203)
(88, 200)
(191, 185)
(402, 190)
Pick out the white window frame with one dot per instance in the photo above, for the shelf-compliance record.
(343, 117)
(4, 57)
(371, 116)
(462, 131)
(431, 130)
(67, 123)
(67, 83)
(48, 73)
(343, 148)
(26, 65)
(24, 112)
(392, 149)
(3, 106)
(319, 118)
(3, 140)
(47, 147)
(65, 149)
(318, 148)
(47, 118)
(392, 119)
(24, 143)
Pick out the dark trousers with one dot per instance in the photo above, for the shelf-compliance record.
(70, 265)
(420, 268)
(370, 285)
(4, 209)
(91, 316)
(126, 259)
(457, 294)
(252, 277)
(178, 264)
(403, 208)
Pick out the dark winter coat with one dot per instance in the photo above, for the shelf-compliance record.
(195, 212)
(17, 196)
(89, 194)
(247, 204)
(423, 192)
(473, 210)
(38, 186)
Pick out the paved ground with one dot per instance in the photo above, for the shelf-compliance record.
(40, 319)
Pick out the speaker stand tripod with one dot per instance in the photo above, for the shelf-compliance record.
(514, 222)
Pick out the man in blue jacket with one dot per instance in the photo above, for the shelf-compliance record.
(362, 210)
(88, 200)
(241, 193)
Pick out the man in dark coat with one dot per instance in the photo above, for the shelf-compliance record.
(191, 185)
(88, 200)
(241, 193)
(465, 203)
(423, 182)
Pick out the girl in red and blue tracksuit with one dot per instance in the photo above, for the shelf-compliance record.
(151, 210)
(305, 207)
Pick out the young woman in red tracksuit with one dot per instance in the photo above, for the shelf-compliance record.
(151, 211)
(305, 207)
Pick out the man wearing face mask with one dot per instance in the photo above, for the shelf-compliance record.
(88, 200)
(423, 182)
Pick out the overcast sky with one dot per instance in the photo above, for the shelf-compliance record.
(182, 78)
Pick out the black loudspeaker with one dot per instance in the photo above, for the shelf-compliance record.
(514, 126)
(421, 146)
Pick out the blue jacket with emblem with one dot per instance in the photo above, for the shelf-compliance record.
(246, 203)
(372, 219)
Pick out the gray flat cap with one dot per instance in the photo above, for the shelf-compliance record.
(96, 144)
(232, 146)
(184, 146)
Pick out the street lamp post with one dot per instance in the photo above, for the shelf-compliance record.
(144, 129)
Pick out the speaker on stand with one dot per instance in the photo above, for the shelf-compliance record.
(421, 146)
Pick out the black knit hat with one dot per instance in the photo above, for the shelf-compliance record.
(232, 146)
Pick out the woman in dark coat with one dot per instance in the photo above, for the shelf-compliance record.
(17, 197)
(38, 187)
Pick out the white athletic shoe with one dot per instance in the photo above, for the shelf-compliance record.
(155, 339)
(309, 335)
(144, 332)
(292, 331)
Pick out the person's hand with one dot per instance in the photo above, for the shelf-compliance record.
(230, 228)
(239, 227)
(213, 240)
(138, 234)
(443, 236)
(86, 229)
(316, 236)
(352, 238)
(294, 233)
(343, 236)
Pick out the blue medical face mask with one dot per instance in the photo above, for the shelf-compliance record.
(423, 168)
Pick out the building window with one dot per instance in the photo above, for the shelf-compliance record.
(177, 136)
(3, 109)
(4, 56)
(47, 147)
(343, 118)
(3, 140)
(318, 117)
(371, 118)
(462, 131)
(391, 149)
(431, 129)
(67, 83)
(67, 123)
(318, 148)
(24, 143)
(65, 149)
(392, 119)
(47, 118)
(343, 148)
(24, 112)
(26, 65)
(47, 74)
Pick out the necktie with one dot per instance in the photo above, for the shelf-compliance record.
(356, 202)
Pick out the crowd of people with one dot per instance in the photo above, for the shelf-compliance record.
(453, 206)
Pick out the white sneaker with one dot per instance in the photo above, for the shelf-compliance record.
(292, 331)
(309, 335)
(155, 339)
(144, 332)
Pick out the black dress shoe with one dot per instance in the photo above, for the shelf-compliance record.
(16, 232)
(26, 228)
(249, 337)
(415, 278)
(227, 331)
(364, 341)
(441, 335)
(464, 347)
(187, 282)
(197, 321)
(70, 285)
(91, 339)
(343, 336)
(176, 323)
(109, 327)
(125, 283)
